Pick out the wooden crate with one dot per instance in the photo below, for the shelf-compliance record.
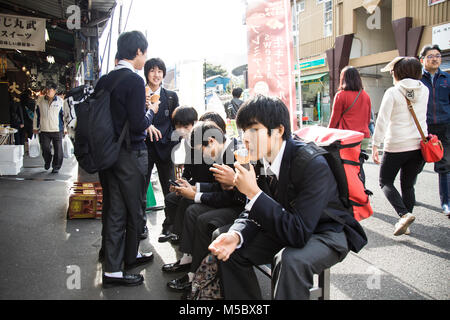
(85, 200)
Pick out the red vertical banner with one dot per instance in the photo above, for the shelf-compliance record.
(271, 52)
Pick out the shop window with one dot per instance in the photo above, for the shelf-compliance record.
(300, 6)
(328, 18)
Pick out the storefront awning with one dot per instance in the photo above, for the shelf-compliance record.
(313, 77)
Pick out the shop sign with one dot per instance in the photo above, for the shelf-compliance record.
(271, 52)
(433, 2)
(89, 67)
(22, 33)
(441, 36)
(313, 64)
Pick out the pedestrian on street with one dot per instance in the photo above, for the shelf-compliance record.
(396, 128)
(48, 121)
(438, 115)
(352, 106)
(232, 106)
(124, 182)
(159, 140)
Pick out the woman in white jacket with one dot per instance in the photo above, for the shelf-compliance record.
(395, 128)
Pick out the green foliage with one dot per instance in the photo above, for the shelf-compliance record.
(214, 70)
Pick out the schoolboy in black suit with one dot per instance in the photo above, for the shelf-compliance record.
(159, 140)
(286, 226)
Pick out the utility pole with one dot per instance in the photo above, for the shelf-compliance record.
(204, 76)
(120, 17)
(109, 45)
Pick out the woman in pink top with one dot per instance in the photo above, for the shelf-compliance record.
(351, 106)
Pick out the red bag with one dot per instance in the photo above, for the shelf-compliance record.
(432, 149)
(431, 146)
(346, 162)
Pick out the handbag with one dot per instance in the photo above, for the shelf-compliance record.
(346, 110)
(431, 146)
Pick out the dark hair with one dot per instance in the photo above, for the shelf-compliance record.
(129, 43)
(154, 62)
(117, 57)
(51, 85)
(427, 48)
(237, 92)
(205, 130)
(184, 116)
(408, 67)
(270, 112)
(214, 117)
(350, 79)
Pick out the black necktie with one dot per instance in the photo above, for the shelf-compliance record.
(272, 181)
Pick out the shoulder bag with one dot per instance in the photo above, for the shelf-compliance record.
(431, 146)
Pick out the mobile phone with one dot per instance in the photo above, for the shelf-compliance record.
(174, 183)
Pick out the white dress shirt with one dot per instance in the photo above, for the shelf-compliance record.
(124, 64)
(275, 168)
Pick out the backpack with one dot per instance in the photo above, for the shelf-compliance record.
(95, 146)
(206, 283)
(231, 109)
(342, 150)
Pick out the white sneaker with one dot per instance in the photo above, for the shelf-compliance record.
(402, 225)
(407, 232)
(446, 209)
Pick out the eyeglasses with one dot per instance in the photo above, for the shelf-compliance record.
(437, 56)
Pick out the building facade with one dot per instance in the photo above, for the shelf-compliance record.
(366, 34)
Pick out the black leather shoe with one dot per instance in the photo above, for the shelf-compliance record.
(144, 234)
(146, 258)
(47, 166)
(165, 235)
(101, 255)
(176, 267)
(55, 170)
(180, 284)
(128, 280)
(174, 239)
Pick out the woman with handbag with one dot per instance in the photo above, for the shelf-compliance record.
(351, 106)
(396, 128)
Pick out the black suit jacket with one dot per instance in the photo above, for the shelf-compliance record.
(292, 216)
(213, 195)
(161, 150)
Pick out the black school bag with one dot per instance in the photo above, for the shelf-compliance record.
(95, 146)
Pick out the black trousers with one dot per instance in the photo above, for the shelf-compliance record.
(45, 139)
(200, 221)
(293, 268)
(410, 164)
(166, 172)
(175, 207)
(122, 221)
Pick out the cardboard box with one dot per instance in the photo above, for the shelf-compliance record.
(85, 200)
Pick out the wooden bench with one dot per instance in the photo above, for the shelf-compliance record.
(319, 292)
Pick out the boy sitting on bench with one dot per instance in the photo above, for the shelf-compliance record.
(285, 221)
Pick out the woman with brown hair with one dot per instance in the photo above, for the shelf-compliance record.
(352, 106)
(395, 128)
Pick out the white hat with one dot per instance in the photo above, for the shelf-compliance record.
(390, 66)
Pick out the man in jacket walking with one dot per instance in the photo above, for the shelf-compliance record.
(438, 114)
(48, 121)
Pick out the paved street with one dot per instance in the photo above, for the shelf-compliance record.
(40, 247)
